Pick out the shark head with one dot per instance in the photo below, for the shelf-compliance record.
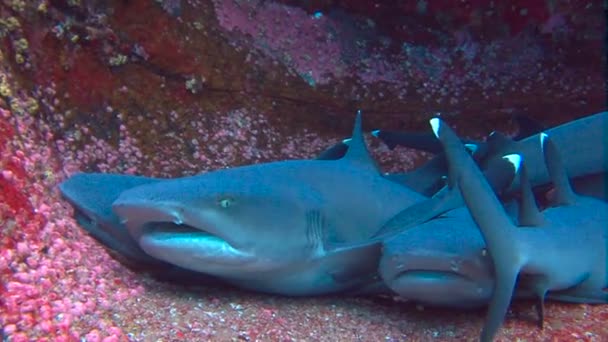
(226, 223)
(439, 263)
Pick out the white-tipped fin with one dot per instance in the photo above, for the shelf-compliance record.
(435, 124)
(514, 159)
(376, 132)
(543, 136)
(347, 141)
(472, 148)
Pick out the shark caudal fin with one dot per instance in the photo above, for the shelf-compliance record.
(357, 149)
(489, 215)
(564, 194)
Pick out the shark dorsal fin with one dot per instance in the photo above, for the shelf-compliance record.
(529, 214)
(357, 149)
(563, 191)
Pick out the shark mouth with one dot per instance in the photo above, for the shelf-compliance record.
(189, 247)
(172, 236)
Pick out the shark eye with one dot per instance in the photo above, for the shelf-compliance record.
(225, 202)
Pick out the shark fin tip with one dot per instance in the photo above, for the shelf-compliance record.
(435, 124)
(543, 138)
(471, 147)
(514, 159)
(376, 133)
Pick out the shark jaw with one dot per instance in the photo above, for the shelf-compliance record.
(190, 247)
(438, 280)
(171, 234)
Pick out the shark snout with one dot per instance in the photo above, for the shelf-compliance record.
(136, 213)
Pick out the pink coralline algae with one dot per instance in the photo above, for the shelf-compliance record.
(58, 284)
(325, 47)
(292, 36)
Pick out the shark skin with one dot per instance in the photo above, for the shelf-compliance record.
(298, 227)
(559, 253)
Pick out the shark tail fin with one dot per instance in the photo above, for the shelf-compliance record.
(564, 194)
(357, 149)
(495, 225)
(529, 214)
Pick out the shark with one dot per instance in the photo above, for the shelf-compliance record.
(295, 227)
(559, 253)
(434, 254)
(582, 141)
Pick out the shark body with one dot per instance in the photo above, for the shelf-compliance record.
(559, 253)
(299, 227)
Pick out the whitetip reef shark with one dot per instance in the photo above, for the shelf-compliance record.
(560, 252)
(583, 141)
(308, 227)
(299, 227)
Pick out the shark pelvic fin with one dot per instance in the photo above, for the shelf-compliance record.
(564, 194)
(494, 224)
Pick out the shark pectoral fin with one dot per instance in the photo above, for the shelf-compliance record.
(564, 194)
(418, 213)
(491, 219)
(426, 179)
